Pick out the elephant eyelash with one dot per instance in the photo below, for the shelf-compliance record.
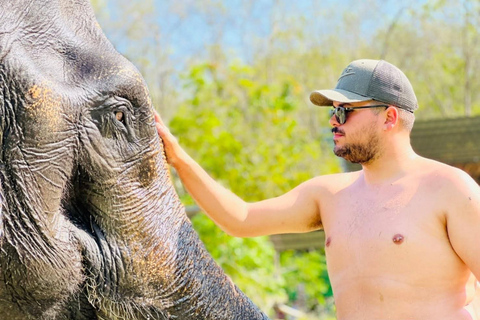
(115, 118)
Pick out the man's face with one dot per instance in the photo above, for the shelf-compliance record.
(357, 140)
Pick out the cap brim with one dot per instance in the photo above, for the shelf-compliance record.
(326, 97)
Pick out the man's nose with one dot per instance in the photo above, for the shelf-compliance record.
(333, 121)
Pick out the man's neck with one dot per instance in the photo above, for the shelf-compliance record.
(390, 165)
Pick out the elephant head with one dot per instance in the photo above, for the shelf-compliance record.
(90, 226)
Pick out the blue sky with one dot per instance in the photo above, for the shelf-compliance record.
(198, 30)
(187, 28)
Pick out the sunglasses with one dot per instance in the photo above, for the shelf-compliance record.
(340, 112)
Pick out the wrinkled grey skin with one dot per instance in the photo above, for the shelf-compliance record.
(91, 227)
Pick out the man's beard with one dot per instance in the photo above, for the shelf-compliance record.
(362, 153)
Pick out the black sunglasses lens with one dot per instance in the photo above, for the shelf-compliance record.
(340, 114)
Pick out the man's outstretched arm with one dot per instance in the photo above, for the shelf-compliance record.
(295, 211)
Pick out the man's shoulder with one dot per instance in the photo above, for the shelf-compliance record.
(444, 176)
(334, 182)
(440, 170)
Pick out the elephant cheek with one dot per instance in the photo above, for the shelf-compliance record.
(148, 171)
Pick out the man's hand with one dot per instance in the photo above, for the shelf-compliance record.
(172, 149)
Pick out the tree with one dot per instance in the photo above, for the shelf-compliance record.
(244, 132)
(438, 48)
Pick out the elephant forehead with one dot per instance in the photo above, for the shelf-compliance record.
(61, 41)
(120, 77)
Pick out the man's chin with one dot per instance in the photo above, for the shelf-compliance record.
(341, 152)
(347, 155)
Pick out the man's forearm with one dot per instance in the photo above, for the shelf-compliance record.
(232, 214)
(224, 207)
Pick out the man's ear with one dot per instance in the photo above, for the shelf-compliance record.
(391, 118)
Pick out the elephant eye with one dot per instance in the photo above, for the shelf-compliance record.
(119, 116)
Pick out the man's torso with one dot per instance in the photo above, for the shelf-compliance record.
(388, 252)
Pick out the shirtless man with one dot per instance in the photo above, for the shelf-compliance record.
(402, 234)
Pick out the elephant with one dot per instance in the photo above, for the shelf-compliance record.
(90, 224)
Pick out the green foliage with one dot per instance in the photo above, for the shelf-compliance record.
(246, 134)
(308, 269)
(438, 48)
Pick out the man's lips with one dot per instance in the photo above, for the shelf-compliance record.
(337, 133)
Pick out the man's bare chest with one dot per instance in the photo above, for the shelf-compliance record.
(385, 229)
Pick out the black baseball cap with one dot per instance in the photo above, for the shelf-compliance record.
(364, 80)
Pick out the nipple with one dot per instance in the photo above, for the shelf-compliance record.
(327, 243)
(398, 238)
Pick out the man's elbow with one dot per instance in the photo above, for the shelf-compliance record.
(239, 232)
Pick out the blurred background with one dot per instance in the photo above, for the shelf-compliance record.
(232, 79)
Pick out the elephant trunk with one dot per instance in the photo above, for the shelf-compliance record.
(152, 258)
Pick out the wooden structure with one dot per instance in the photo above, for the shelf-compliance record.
(298, 241)
(452, 141)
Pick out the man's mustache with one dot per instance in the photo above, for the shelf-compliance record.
(337, 130)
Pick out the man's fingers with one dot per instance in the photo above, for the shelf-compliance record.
(158, 119)
(162, 130)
